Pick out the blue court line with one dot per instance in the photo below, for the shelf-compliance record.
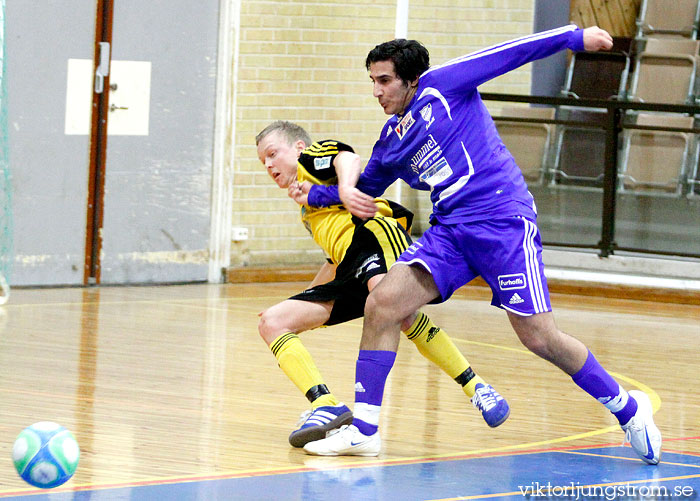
(556, 472)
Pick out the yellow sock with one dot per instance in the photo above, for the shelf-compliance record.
(296, 362)
(436, 346)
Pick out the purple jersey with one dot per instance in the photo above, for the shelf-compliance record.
(446, 141)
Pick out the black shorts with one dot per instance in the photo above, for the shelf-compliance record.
(376, 245)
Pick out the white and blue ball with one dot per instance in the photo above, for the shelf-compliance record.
(45, 454)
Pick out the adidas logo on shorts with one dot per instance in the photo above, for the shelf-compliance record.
(359, 388)
(516, 299)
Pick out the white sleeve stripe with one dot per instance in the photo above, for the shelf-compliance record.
(499, 48)
(506, 45)
(516, 41)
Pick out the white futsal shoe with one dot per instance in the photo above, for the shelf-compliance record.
(346, 441)
(641, 432)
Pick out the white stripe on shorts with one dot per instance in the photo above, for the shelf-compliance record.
(533, 268)
(519, 313)
(415, 261)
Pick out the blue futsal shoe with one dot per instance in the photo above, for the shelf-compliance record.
(492, 405)
(316, 423)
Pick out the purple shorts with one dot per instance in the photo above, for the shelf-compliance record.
(506, 252)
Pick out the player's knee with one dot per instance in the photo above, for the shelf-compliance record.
(268, 326)
(262, 325)
(538, 342)
(371, 307)
(533, 342)
(538, 333)
(378, 308)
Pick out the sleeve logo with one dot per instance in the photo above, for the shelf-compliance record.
(321, 163)
(405, 124)
(426, 114)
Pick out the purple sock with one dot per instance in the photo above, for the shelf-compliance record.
(596, 381)
(371, 371)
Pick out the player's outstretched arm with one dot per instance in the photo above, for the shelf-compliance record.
(355, 201)
(348, 167)
(595, 39)
(359, 204)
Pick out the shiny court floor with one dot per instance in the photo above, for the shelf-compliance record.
(610, 472)
(171, 394)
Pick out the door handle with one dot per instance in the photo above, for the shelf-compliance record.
(102, 68)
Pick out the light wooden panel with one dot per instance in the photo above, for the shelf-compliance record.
(159, 382)
(616, 16)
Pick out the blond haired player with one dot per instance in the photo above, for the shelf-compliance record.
(359, 253)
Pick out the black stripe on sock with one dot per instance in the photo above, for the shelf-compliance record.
(317, 391)
(465, 377)
(277, 345)
(419, 328)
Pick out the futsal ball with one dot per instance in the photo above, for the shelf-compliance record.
(45, 454)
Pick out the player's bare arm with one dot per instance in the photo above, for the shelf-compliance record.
(595, 39)
(348, 166)
(358, 203)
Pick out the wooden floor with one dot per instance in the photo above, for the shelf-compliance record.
(171, 382)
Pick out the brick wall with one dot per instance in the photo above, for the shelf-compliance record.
(303, 60)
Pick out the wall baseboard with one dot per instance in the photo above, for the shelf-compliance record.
(556, 286)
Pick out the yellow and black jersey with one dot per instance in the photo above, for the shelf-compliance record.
(332, 227)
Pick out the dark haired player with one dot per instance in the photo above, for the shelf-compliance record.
(441, 138)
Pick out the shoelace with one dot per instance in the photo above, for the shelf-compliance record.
(336, 430)
(303, 417)
(485, 398)
(628, 436)
(633, 424)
